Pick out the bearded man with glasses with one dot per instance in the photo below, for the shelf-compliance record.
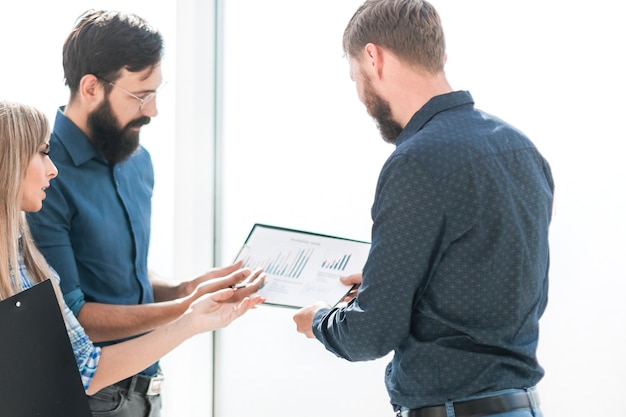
(94, 228)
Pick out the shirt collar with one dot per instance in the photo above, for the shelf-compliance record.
(434, 106)
(74, 140)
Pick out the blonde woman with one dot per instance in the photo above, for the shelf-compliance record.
(26, 172)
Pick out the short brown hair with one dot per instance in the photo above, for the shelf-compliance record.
(411, 29)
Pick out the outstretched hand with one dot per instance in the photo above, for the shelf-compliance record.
(243, 280)
(218, 309)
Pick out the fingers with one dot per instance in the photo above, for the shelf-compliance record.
(220, 282)
(254, 280)
(249, 286)
(239, 276)
(240, 284)
(221, 296)
(236, 310)
(216, 310)
(354, 279)
(246, 304)
(225, 296)
(349, 297)
(304, 319)
(304, 328)
(223, 271)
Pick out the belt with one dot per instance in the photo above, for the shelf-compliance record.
(480, 407)
(142, 384)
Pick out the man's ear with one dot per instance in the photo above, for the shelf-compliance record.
(374, 58)
(91, 90)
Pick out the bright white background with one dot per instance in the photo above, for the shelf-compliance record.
(295, 148)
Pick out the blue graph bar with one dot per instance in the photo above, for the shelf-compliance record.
(337, 264)
(283, 264)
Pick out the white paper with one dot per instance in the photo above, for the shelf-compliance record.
(302, 267)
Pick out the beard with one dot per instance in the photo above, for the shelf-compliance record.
(380, 110)
(114, 144)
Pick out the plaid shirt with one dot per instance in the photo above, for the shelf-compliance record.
(87, 355)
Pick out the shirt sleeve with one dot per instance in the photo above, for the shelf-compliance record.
(86, 354)
(408, 219)
(50, 228)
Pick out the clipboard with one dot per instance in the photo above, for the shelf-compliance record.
(38, 371)
(301, 267)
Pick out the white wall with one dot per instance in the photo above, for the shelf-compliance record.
(297, 150)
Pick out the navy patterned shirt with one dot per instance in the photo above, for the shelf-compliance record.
(457, 276)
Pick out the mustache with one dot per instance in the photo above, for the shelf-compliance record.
(143, 120)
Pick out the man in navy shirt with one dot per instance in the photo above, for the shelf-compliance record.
(94, 228)
(457, 276)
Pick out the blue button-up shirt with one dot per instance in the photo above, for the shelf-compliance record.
(94, 227)
(457, 276)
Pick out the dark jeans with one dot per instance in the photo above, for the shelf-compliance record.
(114, 401)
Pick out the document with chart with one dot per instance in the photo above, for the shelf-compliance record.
(302, 267)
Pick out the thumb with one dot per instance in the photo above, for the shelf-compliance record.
(350, 279)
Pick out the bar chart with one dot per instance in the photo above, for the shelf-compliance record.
(301, 267)
(338, 264)
(289, 264)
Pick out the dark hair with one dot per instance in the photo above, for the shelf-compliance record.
(104, 42)
(411, 29)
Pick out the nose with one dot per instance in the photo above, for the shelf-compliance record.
(149, 109)
(51, 168)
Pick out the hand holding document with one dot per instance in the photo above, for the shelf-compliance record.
(353, 281)
(302, 267)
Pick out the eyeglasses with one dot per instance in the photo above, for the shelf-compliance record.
(142, 100)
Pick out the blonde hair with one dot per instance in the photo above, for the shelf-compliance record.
(23, 129)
